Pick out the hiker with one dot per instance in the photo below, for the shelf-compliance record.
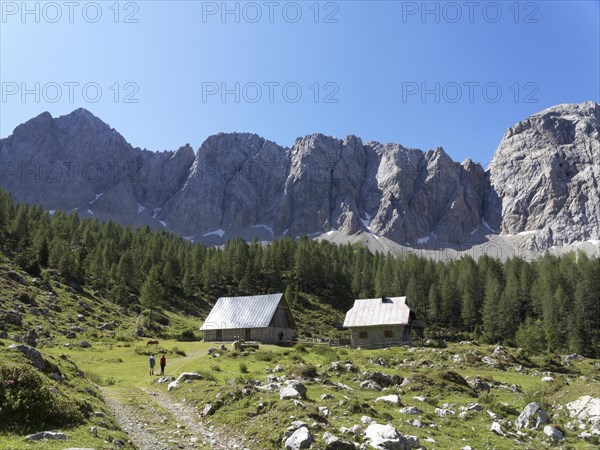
(163, 363)
(152, 363)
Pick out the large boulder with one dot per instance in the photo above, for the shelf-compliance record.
(293, 389)
(585, 408)
(553, 433)
(394, 399)
(382, 379)
(300, 439)
(31, 354)
(532, 417)
(46, 435)
(333, 442)
(385, 437)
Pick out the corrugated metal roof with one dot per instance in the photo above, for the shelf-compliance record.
(376, 311)
(242, 312)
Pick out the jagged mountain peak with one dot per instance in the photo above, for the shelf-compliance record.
(543, 179)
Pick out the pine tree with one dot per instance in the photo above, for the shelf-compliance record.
(151, 293)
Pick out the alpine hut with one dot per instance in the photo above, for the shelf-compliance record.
(262, 318)
(381, 322)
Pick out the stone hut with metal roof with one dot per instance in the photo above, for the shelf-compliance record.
(262, 318)
(381, 322)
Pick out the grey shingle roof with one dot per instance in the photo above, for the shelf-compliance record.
(242, 312)
(374, 311)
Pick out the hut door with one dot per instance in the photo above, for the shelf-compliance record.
(247, 334)
(219, 335)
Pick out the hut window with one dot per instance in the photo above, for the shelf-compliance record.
(388, 333)
(363, 334)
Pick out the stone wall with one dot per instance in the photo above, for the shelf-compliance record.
(376, 336)
(269, 335)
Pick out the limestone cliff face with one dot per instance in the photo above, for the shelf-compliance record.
(543, 177)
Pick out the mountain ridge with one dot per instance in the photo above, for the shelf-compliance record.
(241, 184)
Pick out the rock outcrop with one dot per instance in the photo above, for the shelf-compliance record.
(543, 178)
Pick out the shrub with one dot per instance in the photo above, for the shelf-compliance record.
(265, 356)
(126, 335)
(215, 367)
(305, 371)
(178, 351)
(187, 336)
(300, 348)
(243, 368)
(27, 399)
(325, 351)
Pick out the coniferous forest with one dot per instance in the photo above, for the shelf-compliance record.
(550, 304)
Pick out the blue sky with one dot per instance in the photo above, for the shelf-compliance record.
(422, 74)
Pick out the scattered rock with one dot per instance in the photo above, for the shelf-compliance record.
(479, 385)
(164, 380)
(208, 410)
(410, 410)
(31, 354)
(84, 344)
(31, 338)
(393, 399)
(327, 397)
(385, 437)
(46, 435)
(492, 362)
(442, 412)
(107, 326)
(553, 433)
(366, 420)
(293, 389)
(355, 431)
(13, 317)
(547, 379)
(532, 417)
(381, 379)
(371, 385)
(416, 423)
(333, 442)
(413, 441)
(497, 428)
(300, 439)
(185, 376)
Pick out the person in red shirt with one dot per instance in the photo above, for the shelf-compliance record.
(163, 363)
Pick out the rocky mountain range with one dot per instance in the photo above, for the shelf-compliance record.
(542, 183)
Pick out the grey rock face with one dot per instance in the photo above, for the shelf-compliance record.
(46, 435)
(545, 176)
(532, 416)
(31, 354)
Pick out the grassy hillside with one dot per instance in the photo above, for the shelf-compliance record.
(115, 367)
